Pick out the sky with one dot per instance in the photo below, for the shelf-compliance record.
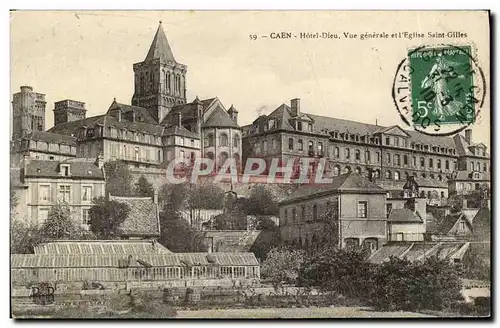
(88, 56)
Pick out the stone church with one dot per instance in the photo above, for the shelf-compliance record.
(159, 126)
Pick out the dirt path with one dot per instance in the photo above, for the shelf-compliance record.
(324, 312)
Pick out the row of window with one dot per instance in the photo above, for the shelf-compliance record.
(300, 146)
(477, 167)
(388, 174)
(130, 135)
(132, 153)
(55, 147)
(223, 140)
(182, 141)
(393, 141)
(299, 214)
(64, 193)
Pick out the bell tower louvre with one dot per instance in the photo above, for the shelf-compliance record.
(160, 81)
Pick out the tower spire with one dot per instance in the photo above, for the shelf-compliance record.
(160, 49)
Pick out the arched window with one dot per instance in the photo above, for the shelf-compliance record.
(396, 175)
(405, 159)
(336, 170)
(478, 167)
(358, 155)
(236, 140)
(300, 145)
(472, 166)
(290, 143)
(377, 173)
(438, 163)
(347, 153)
(388, 158)
(431, 176)
(310, 146)
(347, 169)
(358, 170)
(424, 175)
(223, 139)
(388, 174)
(337, 152)
(210, 140)
(367, 156)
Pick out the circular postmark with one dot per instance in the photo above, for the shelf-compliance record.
(439, 90)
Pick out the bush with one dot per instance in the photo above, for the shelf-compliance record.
(340, 271)
(402, 285)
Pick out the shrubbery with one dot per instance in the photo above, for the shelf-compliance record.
(397, 284)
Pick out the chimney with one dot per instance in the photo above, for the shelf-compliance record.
(99, 161)
(233, 113)
(155, 196)
(295, 105)
(468, 136)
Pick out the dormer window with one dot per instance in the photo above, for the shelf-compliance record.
(271, 124)
(299, 126)
(309, 127)
(356, 138)
(64, 170)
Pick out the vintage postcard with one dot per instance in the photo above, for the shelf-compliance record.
(250, 164)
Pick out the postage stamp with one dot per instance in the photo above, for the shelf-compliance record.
(439, 90)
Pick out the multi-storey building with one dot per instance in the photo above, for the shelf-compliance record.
(160, 126)
(387, 155)
(73, 181)
(349, 212)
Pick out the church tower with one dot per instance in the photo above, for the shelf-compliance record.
(28, 112)
(160, 81)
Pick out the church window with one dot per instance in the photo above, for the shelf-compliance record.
(223, 139)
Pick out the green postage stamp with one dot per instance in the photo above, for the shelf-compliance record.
(442, 85)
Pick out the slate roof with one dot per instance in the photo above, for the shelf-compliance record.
(69, 128)
(142, 114)
(325, 123)
(52, 138)
(142, 219)
(466, 176)
(160, 49)
(220, 118)
(449, 222)
(348, 182)
(159, 260)
(80, 168)
(404, 215)
(109, 247)
(180, 131)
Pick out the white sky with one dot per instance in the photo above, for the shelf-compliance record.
(88, 56)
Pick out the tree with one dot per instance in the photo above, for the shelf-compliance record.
(60, 225)
(282, 265)
(337, 270)
(143, 188)
(106, 217)
(403, 285)
(205, 196)
(269, 237)
(119, 180)
(177, 235)
(262, 202)
(24, 237)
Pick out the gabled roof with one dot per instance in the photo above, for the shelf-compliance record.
(180, 131)
(71, 128)
(141, 114)
(80, 168)
(109, 247)
(160, 49)
(220, 118)
(142, 219)
(52, 138)
(450, 221)
(393, 127)
(344, 183)
(404, 215)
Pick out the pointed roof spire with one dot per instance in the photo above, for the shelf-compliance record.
(160, 49)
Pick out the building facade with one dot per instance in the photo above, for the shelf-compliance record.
(383, 154)
(28, 112)
(160, 125)
(349, 212)
(75, 182)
